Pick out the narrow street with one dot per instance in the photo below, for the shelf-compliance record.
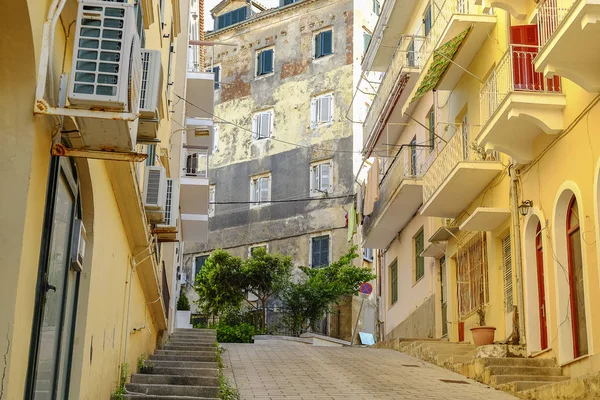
(279, 370)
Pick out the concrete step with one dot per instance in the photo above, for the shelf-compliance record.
(191, 347)
(206, 342)
(134, 396)
(184, 371)
(497, 380)
(173, 390)
(490, 372)
(454, 359)
(519, 386)
(518, 362)
(195, 330)
(175, 380)
(179, 364)
(204, 353)
(180, 359)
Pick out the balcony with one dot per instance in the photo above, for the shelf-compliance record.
(457, 175)
(568, 33)
(400, 196)
(193, 198)
(199, 110)
(398, 81)
(516, 8)
(519, 106)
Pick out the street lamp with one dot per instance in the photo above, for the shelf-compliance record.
(525, 206)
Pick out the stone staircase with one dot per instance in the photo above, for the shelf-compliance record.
(501, 366)
(185, 369)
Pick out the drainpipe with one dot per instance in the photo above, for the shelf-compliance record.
(517, 246)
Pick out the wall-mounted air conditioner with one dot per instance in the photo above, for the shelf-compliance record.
(155, 193)
(150, 93)
(171, 205)
(182, 278)
(106, 73)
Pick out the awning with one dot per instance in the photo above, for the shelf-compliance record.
(441, 62)
(443, 234)
(485, 219)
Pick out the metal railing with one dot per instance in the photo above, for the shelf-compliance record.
(514, 72)
(408, 164)
(459, 148)
(406, 55)
(550, 15)
(196, 163)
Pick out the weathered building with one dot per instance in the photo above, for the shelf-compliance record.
(282, 172)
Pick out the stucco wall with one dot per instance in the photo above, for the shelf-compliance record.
(419, 324)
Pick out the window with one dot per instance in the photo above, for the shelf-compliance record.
(320, 251)
(472, 275)
(366, 40)
(211, 201)
(232, 17)
(507, 273)
(264, 62)
(262, 125)
(260, 189)
(320, 177)
(419, 242)
(431, 120)
(394, 282)
(151, 151)
(376, 7)
(427, 19)
(368, 255)
(324, 43)
(412, 55)
(286, 2)
(252, 249)
(217, 71)
(321, 110)
(198, 264)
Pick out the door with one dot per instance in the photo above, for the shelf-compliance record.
(539, 257)
(443, 298)
(56, 300)
(413, 156)
(464, 123)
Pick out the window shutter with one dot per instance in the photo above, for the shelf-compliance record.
(325, 250)
(316, 252)
(507, 273)
(259, 64)
(267, 61)
(263, 184)
(325, 177)
(325, 109)
(255, 127)
(318, 50)
(264, 125)
(314, 104)
(327, 46)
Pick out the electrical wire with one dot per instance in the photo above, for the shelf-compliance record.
(282, 201)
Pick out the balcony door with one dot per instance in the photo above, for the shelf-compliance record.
(539, 257)
(57, 288)
(443, 299)
(413, 156)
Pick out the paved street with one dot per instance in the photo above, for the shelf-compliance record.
(288, 370)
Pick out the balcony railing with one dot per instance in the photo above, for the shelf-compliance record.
(514, 72)
(196, 163)
(459, 148)
(407, 55)
(550, 15)
(406, 165)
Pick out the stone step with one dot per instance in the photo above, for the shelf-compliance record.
(519, 386)
(207, 342)
(183, 370)
(175, 380)
(196, 330)
(191, 347)
(175, 357)
(203, 353)
(188, 339)
(187, 364)
(449, 359)
(518, 362)
(134, 396)
(489, 372)
(173, 390)
(497, 380)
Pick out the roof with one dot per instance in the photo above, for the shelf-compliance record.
(225, 3)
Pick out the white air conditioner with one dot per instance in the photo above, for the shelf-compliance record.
(182, 278)
(171, 205)
(150, 93)
(106, 73)
(78, 246)
(155, 193)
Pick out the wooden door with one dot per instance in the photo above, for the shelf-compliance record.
(539, 255)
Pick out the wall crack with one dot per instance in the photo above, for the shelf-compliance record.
(5, 365)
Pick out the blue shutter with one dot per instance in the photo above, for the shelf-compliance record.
(325, 250)
(267, 61)
(316, 252)
(217, 71)
(318, 45)
(220, 21)
(327, 38)
(242, 13)
(259, 64)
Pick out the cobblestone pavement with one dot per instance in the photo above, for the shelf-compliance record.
(285, 370)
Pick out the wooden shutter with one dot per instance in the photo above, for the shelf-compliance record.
(316, 252)
(325, 179)
(318, 45)
(327, 45)
(325, 250)
(264, 130)
(255, 127)
(419, 261)
(263, 184)
(259, 64)
(507, 273)
(325, 109)
(267, 58)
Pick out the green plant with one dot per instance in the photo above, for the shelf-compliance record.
(183, 304)
(120, 390)
(481, 315)
(140, 361)
(240, 333)
(226, 390)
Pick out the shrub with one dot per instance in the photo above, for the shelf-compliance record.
(241, 333)
(183, 304)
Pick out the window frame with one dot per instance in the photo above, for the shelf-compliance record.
(256, 246)
(316, 108)
(428, 13)
(194, 272)
(257, 61)
(313, 168)
(253, 182)
(419, 262)
(322, 54)
(217, 75)
(320, 236)
(256, 135)
(376, 7)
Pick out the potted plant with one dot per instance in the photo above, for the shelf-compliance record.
(482, 334)
(182, 319)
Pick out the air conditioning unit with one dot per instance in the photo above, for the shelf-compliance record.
(182, 278)
(78, 246)
(106, 73)
(171, 207)
(150, 93)
(155, 193)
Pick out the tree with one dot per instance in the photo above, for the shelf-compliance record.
(265, 275)
(219, 283)
(310, 298)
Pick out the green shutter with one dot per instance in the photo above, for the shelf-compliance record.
(327, 42)
(419, 261)
(394, 281)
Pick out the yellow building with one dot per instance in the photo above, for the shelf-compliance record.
(486, 197)
(93, 141)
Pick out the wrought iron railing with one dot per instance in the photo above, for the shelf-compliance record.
(445, 158)
(550, 15)
(408, 164)
(514, 72)
(196, 164)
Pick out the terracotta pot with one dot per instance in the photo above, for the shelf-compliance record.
(483, 335)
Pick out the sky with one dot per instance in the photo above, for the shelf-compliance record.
(210, 4)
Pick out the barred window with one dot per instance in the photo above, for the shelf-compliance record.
(472, 275)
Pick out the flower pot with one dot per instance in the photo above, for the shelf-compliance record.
(483, 335)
